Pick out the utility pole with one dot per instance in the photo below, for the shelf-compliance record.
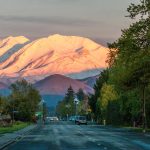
(75, 108)
(43, 109)
(13, 113)
(144, 111)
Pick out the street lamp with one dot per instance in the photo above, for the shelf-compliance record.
(42, 102)
(76, 102)
(43, 117)
(68, 106)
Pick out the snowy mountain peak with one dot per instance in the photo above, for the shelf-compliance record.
(10, 45)
(73, 40)
(56, 54)
(15, 40)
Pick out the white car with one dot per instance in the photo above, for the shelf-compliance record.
(80, 120)
(52, 118)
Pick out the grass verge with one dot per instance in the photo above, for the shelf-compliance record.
(17, 126)
(136, 129)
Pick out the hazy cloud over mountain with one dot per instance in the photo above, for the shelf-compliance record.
(97, 19)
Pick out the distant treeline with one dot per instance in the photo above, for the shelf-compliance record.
(73, 104)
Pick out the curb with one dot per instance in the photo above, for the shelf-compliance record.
(10, 142)
(148, 135)
(17, 138)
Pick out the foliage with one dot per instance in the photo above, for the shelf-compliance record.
(108, 94)
(94, 99)
(70, 95)
(125, 93)
(23, 100)
(83, 106)
(17, 126)
(3, 105)
(66, 106)
(80, 94)
(130, 71)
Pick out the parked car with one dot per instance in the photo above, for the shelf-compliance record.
(72, 118)
(55, 119)
(52, 118)
(80, 120)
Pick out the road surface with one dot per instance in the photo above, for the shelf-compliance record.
(67, 136)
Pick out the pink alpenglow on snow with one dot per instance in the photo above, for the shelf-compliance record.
(56, 54)
(10, 42)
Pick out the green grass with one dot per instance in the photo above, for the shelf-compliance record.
(17, 126)
(136, 129)
(133, 129)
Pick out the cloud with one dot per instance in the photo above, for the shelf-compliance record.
(49, 20)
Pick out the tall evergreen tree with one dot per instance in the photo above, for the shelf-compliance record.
(103, 78)
(80, 95)
(66, 107)
(70, 95)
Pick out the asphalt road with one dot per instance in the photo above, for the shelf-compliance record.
(66, 136)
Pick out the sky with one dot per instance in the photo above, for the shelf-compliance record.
(100, 20)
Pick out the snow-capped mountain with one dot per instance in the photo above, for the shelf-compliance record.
(10, 45)
(72, 56)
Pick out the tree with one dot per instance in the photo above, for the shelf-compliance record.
(128, 73)
(129, 59)
(70, 95)
(142, 9)
(103, 78)
(3, 105)
(108, 95)
(83, 106)
(66, 107)
(80, 95)
(24, 100)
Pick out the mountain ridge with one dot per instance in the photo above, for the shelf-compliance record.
(56, 54)
(58, 84)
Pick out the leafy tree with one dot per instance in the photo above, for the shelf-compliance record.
(113, 115)
(24, 100)
(142, 9)
(83, 106)
(108, 95)
(129, 60)
(129, 73)
(3, 105)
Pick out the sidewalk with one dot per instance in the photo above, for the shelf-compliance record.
(9, 138)
(147, 134)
